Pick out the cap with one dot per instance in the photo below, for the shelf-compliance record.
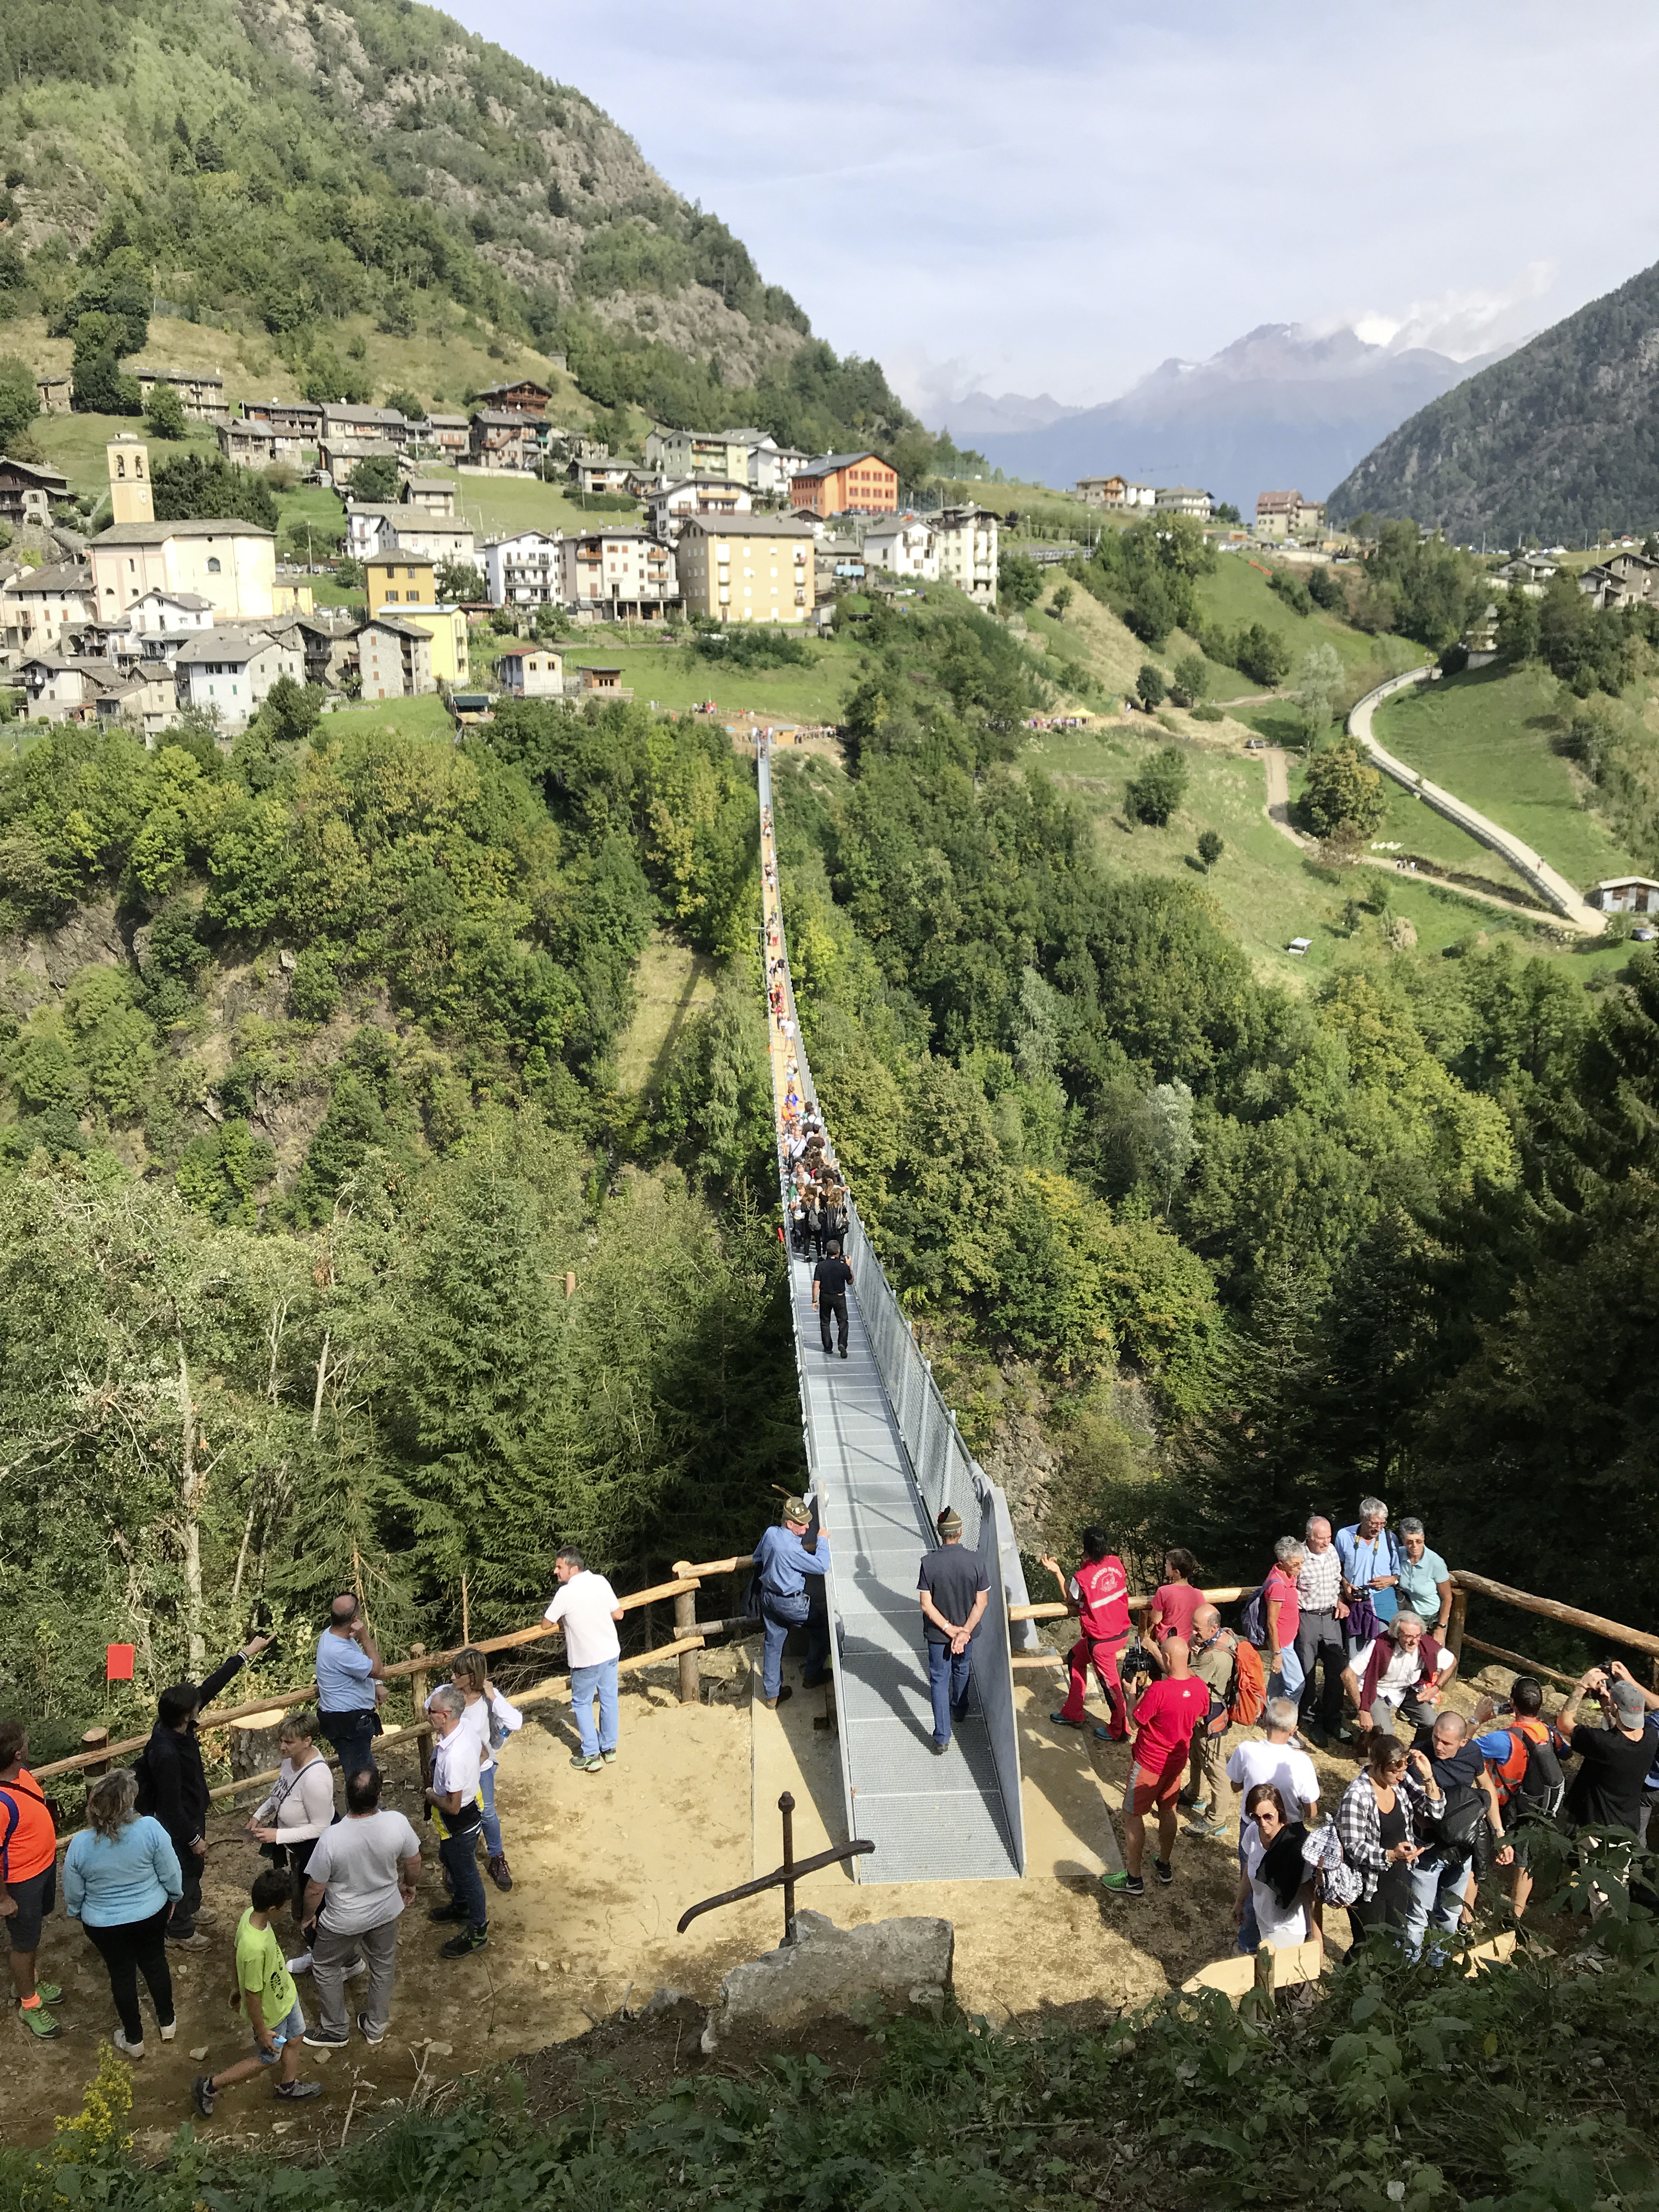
(950, 1522)
(794, 1509)
(1627, 1696)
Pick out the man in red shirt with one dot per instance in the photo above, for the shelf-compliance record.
(1165, 1715)
(28, 1877)
(1099, 1594)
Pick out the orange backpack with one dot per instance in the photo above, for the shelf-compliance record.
(1247, 1692)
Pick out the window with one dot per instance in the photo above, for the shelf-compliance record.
(213, 564)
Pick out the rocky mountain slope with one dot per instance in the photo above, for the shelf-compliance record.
(1278, 407)
(1553, 442)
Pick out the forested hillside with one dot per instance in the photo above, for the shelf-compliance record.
(1552, 443)
(1232, 1252)
(292, 170)
(309, 1107)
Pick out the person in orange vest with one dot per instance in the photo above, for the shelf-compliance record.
(1098, 1594)
(28, 1878)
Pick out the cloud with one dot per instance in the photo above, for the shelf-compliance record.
(977, 196)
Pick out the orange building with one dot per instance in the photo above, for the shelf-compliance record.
(836, 482)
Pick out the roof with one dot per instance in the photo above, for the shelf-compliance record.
(398, 626)
(505, 418)
(157, 534)
(825, 464)
(191, 601)
(519, 384)
(180, 376)
(59, 576)
(446, 422)
(1268, 501)
(338, 412)
(523, 652)
(35, 469)
(227, 642)
(405, 553)
(1181, 491)
(427, 484)
(1622, 882)
(696, 484)
(749, 525)
(519, 537)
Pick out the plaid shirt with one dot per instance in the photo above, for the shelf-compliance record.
(1359, 1825)
(1319, 1580)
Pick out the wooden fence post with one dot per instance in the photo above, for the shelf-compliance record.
(685, 1624)
(1460, 1607)
(96, 1739)
(417, 1691)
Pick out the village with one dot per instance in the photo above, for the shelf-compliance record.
(148, 619)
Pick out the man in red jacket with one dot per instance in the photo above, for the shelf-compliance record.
(1098, 1594)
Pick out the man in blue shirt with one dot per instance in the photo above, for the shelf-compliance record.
(1371, 1564)
(349, 1671)
(784, 1558)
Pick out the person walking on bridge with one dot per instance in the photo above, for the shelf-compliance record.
(784, 1558)
(954, 1590)
(830, 1279)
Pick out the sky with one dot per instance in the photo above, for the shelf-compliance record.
(1024, 198)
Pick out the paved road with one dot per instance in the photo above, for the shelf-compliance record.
(1533, 870)
(1278, 811)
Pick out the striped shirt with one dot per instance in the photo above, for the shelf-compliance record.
(1319, 1580)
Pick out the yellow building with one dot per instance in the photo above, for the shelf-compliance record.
(400, 582)
(127, 459)
(747, 567)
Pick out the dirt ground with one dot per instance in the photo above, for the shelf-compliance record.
(604, 1866)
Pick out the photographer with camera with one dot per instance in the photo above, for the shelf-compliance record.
(1611, 1785)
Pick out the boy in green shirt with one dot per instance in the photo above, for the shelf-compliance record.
(264, 1992)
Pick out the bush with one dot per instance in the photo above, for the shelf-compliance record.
(375, 479)
(1325, 590)
(745, 647)
(165, 415)
(1019, 580)
(1149, 686)
(1208, 714)
(1455, 660)
(314, 990)
(1190, 680)
(1158, 790)
(208, 485)
(1210, 848)
(98, 387)
(1261, 653)
(1291, 589)
(18, 400)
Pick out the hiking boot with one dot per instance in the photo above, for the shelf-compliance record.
(610, 1757)
(1206, 1832)
(38, 2022)
(1164, 1870)
(500, 1872)
(1193, 1803)
(450, 1911)
(48, 1992)
(587, 1766)
(203, 2091)
(193, 1941)
(1123, 1885)
(1113, 1735)
(292, 2092)
(463, 1945)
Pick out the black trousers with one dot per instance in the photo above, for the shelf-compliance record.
(1319, 1642)
(183, 1922)
(834, 1308)
(130, 1948)
(350, 1736)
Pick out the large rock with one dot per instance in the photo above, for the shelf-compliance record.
(887, 1966)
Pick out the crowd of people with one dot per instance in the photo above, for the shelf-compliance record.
(341, 1877)
(1342, 1646)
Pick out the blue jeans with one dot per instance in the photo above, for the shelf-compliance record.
(458, 1855)
(948, 1676)
(588, 1683)
(1287, 1681)
(352, 1736)
(778, 1616)
(492, 1827)
(1249, 1929)
(1437, 1887)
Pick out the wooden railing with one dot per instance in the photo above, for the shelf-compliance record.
(688, 1641)
(1547, 1608)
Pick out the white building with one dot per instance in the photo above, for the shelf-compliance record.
(904, 546)
(965, 538)
(232, 669)
(771, 464)
(38, 605)
(522, 571)
(530, 671)
(169, 614)
(667, 506)
(617, 575)
(1183, 498)
(376, 527)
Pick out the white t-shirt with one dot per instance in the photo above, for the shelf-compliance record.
(456, 1766)
(584, 1605)
(475, 1721)
(1399, 1675)
(359, 1859)
(1278, 1926)
(1285, 1765)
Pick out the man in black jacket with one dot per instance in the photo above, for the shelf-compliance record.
(173, 1786)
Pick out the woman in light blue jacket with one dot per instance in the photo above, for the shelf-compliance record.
(121, 1882)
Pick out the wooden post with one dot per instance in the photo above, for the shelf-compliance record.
(570, 1282)
(685, 1624)
(1460, 1607)
(96, 1739)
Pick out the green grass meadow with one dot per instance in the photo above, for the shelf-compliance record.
(1485, 735)
(1238, 592)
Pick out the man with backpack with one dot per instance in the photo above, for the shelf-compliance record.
(1099, 1594)
(1232, 1671)
(1463, 1836)
(1524, 1769)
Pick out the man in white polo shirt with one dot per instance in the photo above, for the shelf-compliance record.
(586, 1607)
